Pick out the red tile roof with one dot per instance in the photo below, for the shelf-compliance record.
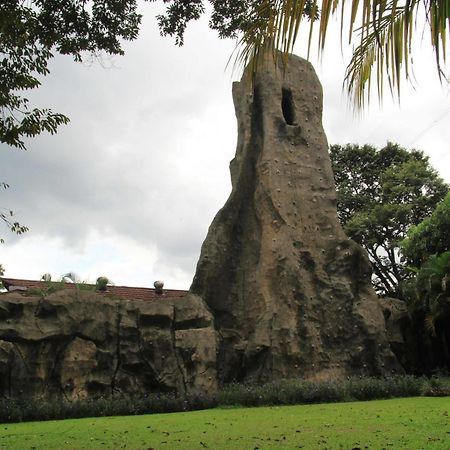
(125, 292)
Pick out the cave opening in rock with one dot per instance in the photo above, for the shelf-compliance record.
(287, 106)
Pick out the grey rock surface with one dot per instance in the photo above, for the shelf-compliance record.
(396, 315)
(80, 344)
(290, 293)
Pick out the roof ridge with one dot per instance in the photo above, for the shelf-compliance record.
(130, 292)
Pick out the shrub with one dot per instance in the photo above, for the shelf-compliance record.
(283, 392)
(437, 387)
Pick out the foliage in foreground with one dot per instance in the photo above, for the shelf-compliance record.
(285, 392)
(384, 33)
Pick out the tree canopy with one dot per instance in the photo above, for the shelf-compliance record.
(429, 237)
(381, 194)
(230, 18)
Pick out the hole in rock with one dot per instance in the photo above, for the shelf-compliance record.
(287, 106)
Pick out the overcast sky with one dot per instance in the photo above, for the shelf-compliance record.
(130, 186)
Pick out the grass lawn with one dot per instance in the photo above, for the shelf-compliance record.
(410, 423)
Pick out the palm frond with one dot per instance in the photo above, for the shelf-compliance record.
(275, 27)
(430, 324)
(385, 29)
(384, 50)
(439, 19)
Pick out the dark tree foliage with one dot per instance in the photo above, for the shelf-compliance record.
(427, 293)
(381, 194)
(228, 17)
(429, 237)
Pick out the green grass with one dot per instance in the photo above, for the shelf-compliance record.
(409, 423)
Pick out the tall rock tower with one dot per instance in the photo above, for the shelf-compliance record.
(290, 293)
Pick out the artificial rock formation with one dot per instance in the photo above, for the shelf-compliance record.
(80, 344)
(279, 290)
(290, 293)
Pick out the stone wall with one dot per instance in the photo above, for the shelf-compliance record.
(79, 344)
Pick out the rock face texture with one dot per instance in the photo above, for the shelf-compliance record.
(79, 344)
(290, 293)
(398, 323)
(418, 351)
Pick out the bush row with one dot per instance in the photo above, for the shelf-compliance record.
(285, 392)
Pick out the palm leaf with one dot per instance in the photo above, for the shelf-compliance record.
(385, 30)
(430, 324)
